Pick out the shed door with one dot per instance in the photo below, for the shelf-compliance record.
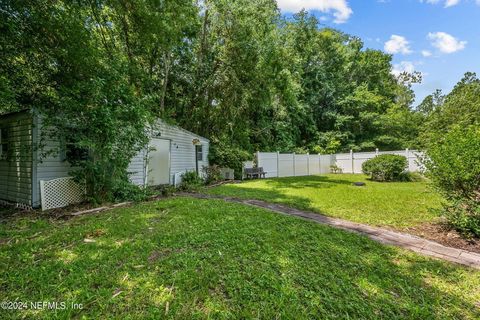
(159, 162)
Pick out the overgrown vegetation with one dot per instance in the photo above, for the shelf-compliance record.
(191, 181)
(385, 167)
(184, 258)
(212, 174)
(83, 66)
(229, 157)
(454, 167)
(452, 140)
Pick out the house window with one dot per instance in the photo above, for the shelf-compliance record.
(199, 153)
(3, 143)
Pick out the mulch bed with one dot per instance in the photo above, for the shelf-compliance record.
(441, 233)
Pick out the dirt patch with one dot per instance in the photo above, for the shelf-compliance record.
(159, 254)
(154, 256)
(443, 234)
(95, 234)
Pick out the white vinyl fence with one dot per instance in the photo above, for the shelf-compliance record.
(277, 164)
(352, 162)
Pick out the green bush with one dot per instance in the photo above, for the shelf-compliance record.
(190, 181)
(227, 156)
(386, 167)
(335, 169)
(411, 177)
(212, 174)
(127, 191)
(453, 164)
(167, 190)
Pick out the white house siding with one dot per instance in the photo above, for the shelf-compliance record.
(136, 169)
(16, 170)
(49, 159)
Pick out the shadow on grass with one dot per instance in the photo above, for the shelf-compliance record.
(391, 204)
(274, 190)
(307, 182)
(184, 258)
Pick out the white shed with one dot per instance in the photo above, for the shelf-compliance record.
(172, 151)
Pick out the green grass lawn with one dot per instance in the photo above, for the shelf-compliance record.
(395, 204)
(185, 258)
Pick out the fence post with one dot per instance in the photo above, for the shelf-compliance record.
(278, 164)
(407, 155)
(294, 173)
(319, 164)
(308, 163)
(351, 160)
(258, 158)
(376, 152)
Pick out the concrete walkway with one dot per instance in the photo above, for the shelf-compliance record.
(403, 240)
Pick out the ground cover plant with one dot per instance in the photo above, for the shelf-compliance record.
(452, 141)
(395, 204)
(188, 258)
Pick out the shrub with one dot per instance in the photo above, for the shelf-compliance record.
(126, 191)
(190, 181)
(335, 169)
(411, 177)
(386, 167)
(227, 156)
(167, 190)
(212, 174)
(453, 164)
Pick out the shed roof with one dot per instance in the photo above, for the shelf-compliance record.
(182, 129)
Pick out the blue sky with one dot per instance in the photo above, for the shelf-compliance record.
(440, 38)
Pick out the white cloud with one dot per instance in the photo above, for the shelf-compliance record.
(451, 3)
(447, 3)
(404, 66)
(445, 42)
(407, 66)
(426, 53)
(397, 44)
(340, 8)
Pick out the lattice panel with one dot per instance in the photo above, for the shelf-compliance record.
(60, 192)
